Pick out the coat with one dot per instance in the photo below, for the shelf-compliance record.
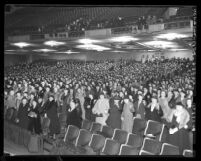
(23, 116)
(139, 110)
(127, 115)
(101, 108)
(89, 115)
(74, 118)
(154, 115)
(51, 110)
(114, 119)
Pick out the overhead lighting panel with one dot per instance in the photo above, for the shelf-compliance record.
(67, 52)
(44, 50)
(123, 39)
(161, 44)
(171, 36)
(21, 44)
(88, 41)
(54, 43)
(92, 47)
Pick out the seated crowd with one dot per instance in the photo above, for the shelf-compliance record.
(108, 92)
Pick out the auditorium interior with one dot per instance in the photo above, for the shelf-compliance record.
(99, 80)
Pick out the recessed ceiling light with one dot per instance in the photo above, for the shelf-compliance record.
(117, 51)
(161, 44)
(9, 50)
(54, 43)
(123, 39)
(88, 41)
(21, 44)
(92, 47)
(67, 52)
(171, 36)
(44, 50)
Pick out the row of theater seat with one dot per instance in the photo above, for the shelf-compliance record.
(95, 139)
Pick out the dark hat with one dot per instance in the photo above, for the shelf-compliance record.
(126, 97)
(117, 98)
(101, 93)
(154, 97)
(179, 104)
(183, 92)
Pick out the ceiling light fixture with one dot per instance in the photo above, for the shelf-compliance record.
(92, 47)
(21, 44)
(123, 39)
(171, 36)
(54, 43)
(88, 41)
(44, 50)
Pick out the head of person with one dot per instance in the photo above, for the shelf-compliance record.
(176, 93)
(34, 103)
(40, 100)
(12, 92)
(102, 95)
(178, 109)
(24, 101)
(90, 96)
(126, 99)
(154, 99)
(47, 89)
(163, 94)
(140, 97)
(51, 98)
(145, 90)
(189, 102)
(65, 91)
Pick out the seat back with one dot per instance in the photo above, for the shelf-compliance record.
(62, 117)
(97, 142)
(95, 127)
(155, 128)
(83, 138)
(139, 126)
(86, 124)
(142, 152)
(128, 150)
(111, 147)
(187, 153)
(71, 133)
(152, 146)
(135, 140)
(108, 131)
(168, 149)
(120, 136)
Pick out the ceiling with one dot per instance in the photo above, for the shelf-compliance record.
(122, 43)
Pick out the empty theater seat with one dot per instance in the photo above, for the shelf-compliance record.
(111, 147)
(107, 131)
(139, 126)
(142, 152)
(152, 146)
(135, 140)
(86, 124)
(120, 136)
(95, 127)
(128, 150)
(154, 130)
(71, 134)
(188, 153)
(168, 149)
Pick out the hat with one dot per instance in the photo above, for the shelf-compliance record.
(126, 97)
(101, 93)
(116, 98)
(154, 97)
(183, 92)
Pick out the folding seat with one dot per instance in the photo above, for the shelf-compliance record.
(107, 131)
(86, 124)
(168, 149)
(95, 127)
(120, 136)
(26, 137)
(82, 141)
(45, 125)
(111, 147)
(97, 142)
(142, 152)
(154, 130)
(188, 153)
(135, 140)
(62, 119)
(128, 150)
(139, 126)
(71, 134)
(152, 146)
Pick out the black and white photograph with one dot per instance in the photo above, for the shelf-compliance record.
(99, 80)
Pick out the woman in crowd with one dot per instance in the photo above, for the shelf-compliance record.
(178, 133)
(153, 110)
(114, 119)
(34, 118)
(51, 110)
(100, 109)
(74, 114)
(88, 105)
(127, 115)
(22, 117)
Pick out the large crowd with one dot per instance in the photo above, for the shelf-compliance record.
(108, 92)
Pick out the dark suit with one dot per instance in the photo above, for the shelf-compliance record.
(139, 109)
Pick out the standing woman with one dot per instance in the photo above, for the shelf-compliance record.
(22, 117)
(153, 110)
(51, 110)
(178, 133)
(34, 118)
(74, 114)
(114, 119)
(127, 115)
(80, 95)
(88, 105)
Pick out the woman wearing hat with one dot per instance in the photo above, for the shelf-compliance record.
(74, 113)
(127, 115)
(178, 128)
(114, 119)
(101, 108)
(51, 110)
(153, 110)
(88, 105)
(34, 118)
